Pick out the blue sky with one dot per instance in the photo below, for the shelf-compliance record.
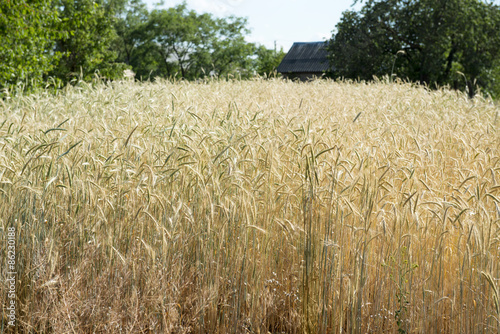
(283, 21)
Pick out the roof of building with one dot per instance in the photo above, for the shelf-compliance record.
(305, 57)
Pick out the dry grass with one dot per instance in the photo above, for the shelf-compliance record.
(252, 207)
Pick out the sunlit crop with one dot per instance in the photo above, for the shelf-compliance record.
(252, 207)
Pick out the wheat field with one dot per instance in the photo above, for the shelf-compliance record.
(262, 206)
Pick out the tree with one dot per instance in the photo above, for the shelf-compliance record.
(74, 39)
(129, 26)
(225, 49)
(194, 45)
(134, 41)
(86, 48)
(433, 42)
(267, 60)
(479, 46)
(360, 50)
(175, 31)
(27, 33)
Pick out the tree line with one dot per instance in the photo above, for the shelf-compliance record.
(49, 43)
(55, 42)
(453, 43)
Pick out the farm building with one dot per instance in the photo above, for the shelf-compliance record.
(305, 61)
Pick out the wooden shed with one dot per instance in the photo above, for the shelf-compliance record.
(305, 61)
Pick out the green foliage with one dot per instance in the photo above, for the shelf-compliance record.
(62, 39)
(132, 41)
(359, 49)
(68, 40)
(194, 45)
(401, 269)
(27, 33)
(225, 50)
(479, 45)
(495, 78)
(86, 50)
(267, 60)
(434, 42)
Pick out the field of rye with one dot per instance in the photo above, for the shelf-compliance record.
(260, 206)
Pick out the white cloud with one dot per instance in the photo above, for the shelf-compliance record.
(234, 3)
(217, 7)
(210, 6)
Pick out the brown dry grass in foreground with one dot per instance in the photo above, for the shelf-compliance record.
(252, 207)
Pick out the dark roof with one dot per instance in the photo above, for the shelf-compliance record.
(305, 57)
